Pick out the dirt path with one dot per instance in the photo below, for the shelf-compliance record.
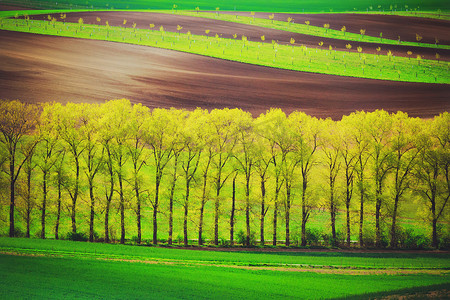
(36, 68)
(379, 23)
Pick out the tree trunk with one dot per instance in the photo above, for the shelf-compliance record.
(172, 192)
(108, 204)
(305, 213)
(377, 217)
(202, 209)
(288, 210)
(263, 209)
(44, 204)
(122, 211)
(58, 211)
(216, 214)
(233, 207)
(75, 196)
(435, 241)
(333, 215)
(394, 220)
(247, 208)
(275, 213)
(29, 207)
(138, 214)
(109, 199)
(186, 211)
(91, 223)
(347, 205)
(361, 211)
(12, 198)
(155, 210)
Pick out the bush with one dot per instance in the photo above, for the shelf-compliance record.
(241, 238)
(223, 242)
(444, 243)
(408, 239)
(313, 237)
(78, 236)
(19, 233)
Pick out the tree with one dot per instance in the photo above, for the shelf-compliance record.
(93, 155)
(245, 145)
(344, 29)
(379, 132)
(207, 136)
(349, 156)
(289, 20)
(306, 132)
(432, 169)
(271, 17)
(360, 139)
(224, 130)
(326, 26)
(80, 23)
(192, 146)
(332, 150)
(60, 178)
(17, 120)
(68, 122)
(362, 32)
(263, 161)
(418, 37)
(405, 152)
(48, 156)
(272, 128)
(177, 147)
(138, 156)
(159, 137)
(116, 123)
(28, 195)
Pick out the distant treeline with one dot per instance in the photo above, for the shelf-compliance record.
(116, 159)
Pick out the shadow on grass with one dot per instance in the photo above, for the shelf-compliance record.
(411, 255)
(412, 293)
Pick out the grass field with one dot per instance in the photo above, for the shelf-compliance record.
(248, 5)
(46, 268)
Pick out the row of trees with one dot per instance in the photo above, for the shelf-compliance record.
(119, 153)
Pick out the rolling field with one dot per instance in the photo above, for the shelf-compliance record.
(326, 58)
(48, 269)
(119, 70)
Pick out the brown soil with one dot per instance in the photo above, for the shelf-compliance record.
(36, 68)
(11, 7)
(391, 26)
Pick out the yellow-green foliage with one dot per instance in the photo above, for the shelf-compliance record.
(297, 154)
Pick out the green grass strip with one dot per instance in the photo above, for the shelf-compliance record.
(260, 22)
(272, 55)
(304, 29)
(410, 260)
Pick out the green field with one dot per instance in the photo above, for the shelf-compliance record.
(46, 268)
(249, 5)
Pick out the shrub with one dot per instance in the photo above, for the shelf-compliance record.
(241, 238)
(77, 236)
(313, 236)
(444, 243)
(18, 232)
(223, 242)
(408, 239)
